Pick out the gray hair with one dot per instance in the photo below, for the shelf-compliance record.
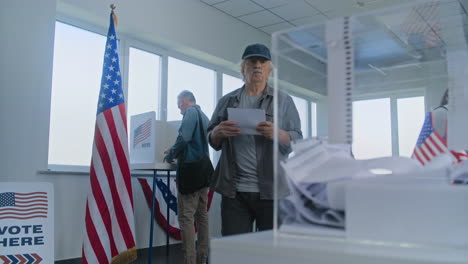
(187, 94)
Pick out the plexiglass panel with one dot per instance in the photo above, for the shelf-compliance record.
(376, 74)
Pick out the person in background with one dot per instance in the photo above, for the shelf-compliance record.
(440, 115)
(192, 207)
(244, 173)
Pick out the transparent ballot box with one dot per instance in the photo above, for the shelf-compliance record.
(373, 174)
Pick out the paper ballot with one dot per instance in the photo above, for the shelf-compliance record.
(247, 119)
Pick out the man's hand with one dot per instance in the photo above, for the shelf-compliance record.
(223, 130)
(267, 129)
(165, 153)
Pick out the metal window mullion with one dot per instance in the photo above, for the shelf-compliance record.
(124, 68)
(394, 126)
(309, 118)
(218, 94)
(164, 87)
(219, 86)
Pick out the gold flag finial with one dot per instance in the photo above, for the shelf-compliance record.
(114, 17)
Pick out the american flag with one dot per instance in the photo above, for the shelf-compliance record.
(431, 144)
(109, 235)
(423, 26)
(22, 206)
(142, 132)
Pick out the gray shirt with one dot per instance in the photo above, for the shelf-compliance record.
(245, 154)
(224, 177)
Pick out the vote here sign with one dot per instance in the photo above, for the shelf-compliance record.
(26, 223)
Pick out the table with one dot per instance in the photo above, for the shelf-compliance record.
(264, 247)
(168, 169)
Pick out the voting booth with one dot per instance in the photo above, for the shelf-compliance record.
(385, 210)
(149, 138)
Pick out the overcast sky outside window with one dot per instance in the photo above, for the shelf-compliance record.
(372, 129)
(187, 76)
(410, 122)
(144, 82)
(231, 83)
(301, 106)
(77, 70)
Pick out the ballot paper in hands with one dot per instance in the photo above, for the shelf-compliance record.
(247, 119)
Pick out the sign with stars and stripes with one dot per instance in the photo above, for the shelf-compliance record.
(26, 223)
(165, 196)
(142, 132)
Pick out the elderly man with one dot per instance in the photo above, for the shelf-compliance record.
(189, 146)
(244, 174)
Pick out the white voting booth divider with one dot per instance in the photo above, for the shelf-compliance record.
(149, 138)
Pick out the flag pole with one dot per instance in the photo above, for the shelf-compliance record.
(114, 16)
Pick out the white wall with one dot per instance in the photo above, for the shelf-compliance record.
(26, 52)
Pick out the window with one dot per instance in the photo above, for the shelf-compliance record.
(231, 83)
(144, 82)
(410, 121)
(77, 71)
(187, 76)
(372, 136)
(301, 106)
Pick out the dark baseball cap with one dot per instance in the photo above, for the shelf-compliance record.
(258, 50)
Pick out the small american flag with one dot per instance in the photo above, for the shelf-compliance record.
(431, 144)
(109, 219)
(142, 132)
(22, 206)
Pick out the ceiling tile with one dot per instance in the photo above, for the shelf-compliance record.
(319, 18)
(273, 28)
(238, 7)
(261, 19)
(294, 10)
(343, 11)
(212, 2)
(271, 3)
(328, 5)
